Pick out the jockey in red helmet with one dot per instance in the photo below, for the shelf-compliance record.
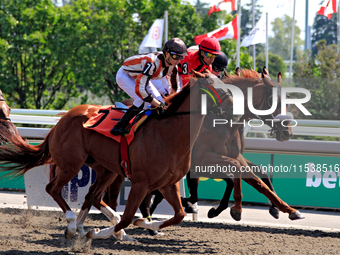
(199, 60)
(211, 45)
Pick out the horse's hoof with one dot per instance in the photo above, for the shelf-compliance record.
(155, 233)
(68, 234)
(213, 212)
(296, 216)
(190, 208)
(89, 234)
(235, 214)
(274, 212)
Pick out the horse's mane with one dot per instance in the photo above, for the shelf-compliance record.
(246, 73)
(175, 100)
(247, 78)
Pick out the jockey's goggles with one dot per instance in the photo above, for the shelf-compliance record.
(209, 55)
(176, 57)
(217, 68)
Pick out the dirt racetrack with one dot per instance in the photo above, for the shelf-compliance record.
(42, 232)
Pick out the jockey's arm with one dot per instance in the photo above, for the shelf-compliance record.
(153, 101)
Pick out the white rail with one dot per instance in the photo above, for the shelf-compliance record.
(329, 128)
(37, 112)
(302, 127)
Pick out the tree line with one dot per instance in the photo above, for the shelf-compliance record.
(51, 54)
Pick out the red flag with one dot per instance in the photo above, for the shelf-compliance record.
(223, 5)
(327, 8)
(228, 31)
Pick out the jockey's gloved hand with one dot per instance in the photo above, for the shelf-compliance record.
(165, 95)
(161, 108)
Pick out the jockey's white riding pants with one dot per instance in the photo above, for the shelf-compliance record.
(127, 83)
(163, 86)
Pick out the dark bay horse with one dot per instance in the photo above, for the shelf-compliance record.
(69, 146)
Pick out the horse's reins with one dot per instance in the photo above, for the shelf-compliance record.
(154, 109)
(164, 115)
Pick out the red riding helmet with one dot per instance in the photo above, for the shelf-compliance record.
(210, 44)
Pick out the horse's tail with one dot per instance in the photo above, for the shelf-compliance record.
(17, 156)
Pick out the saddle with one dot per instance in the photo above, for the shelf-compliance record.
(106, 117)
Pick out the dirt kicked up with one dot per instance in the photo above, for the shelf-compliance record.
(42, 232)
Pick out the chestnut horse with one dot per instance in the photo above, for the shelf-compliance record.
(224, 145)
(193, 182)
(159, 154)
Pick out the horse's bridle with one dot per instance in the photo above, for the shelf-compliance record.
(215, 110)
(219, 109)
(267, 94)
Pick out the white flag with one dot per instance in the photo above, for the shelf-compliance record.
(153, 38)
(257, 34)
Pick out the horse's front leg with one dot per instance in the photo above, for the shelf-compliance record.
(172, 194)
(273, 210)
(215, 211)
(188, 203)
(236, 209)
(137, 194)
(94, 197)
(260, 186)
(212, 159)
(54, 190)
(146, 211)
(112, 192)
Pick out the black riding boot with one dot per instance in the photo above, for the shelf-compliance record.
(120, 127)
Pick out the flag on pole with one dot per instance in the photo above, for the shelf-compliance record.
(228, 31)
(153, 38)
(327, 8)
(223, 6)
(257, 34)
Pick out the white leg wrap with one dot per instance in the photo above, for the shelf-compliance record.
(102, 234)
(122, 236)
(80, 222)
(71, 219)
(153, 225)
(113, 216)
(107, 232)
